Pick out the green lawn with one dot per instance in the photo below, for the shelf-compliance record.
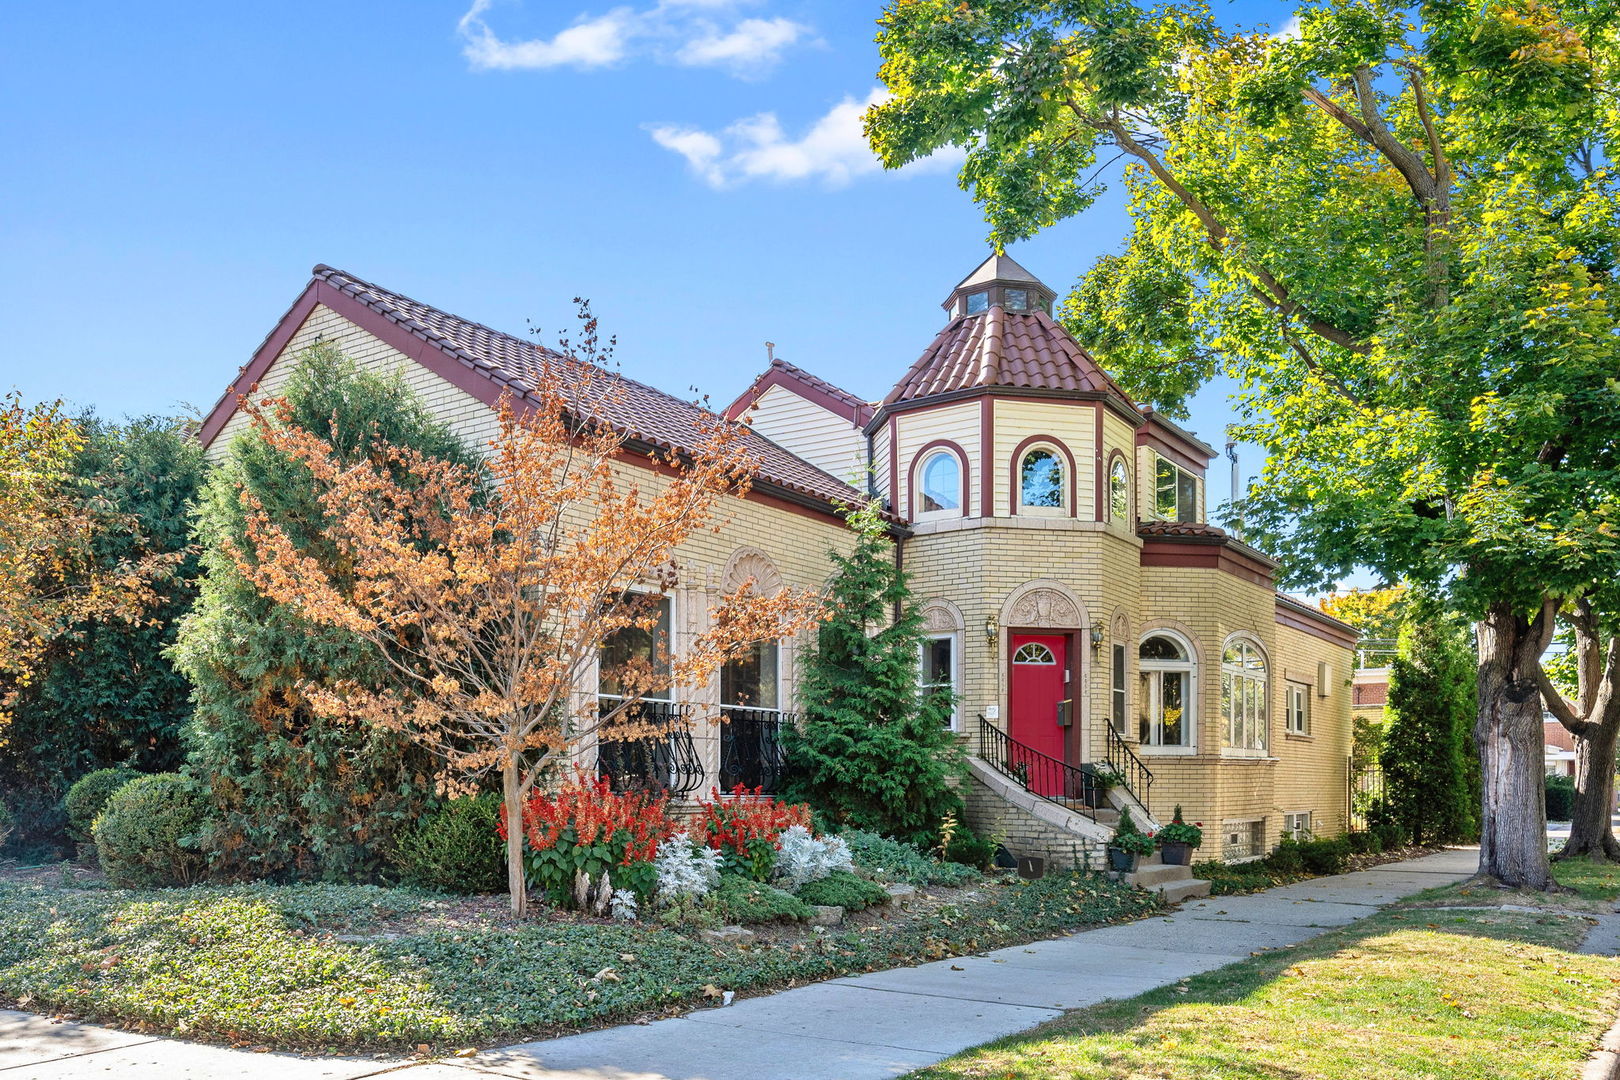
(1410, 994)
(263, 966)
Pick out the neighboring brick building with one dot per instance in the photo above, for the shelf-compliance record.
(1054, 531)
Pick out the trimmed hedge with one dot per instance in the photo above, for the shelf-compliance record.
(145, 834)
(88, 796)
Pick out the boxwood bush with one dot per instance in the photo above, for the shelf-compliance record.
(1560, 798)
(145, 835)
(456, 848)
(843, 889)
(88, 795)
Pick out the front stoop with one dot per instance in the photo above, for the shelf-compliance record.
(1174, 883)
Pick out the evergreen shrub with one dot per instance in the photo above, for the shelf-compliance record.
(456, 848)
(743, 900)
(843, 889)
(1560, 798)
(146, 835)
(88, 795)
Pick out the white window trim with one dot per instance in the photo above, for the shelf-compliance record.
(1289, 830)
(1198, 486)
(1063, 509)
(1118, 461)
(955, 638)
(674, 637)
(1304, 690)
(1190, 666)
(917, 488)
(781, 684)
(1254, 752)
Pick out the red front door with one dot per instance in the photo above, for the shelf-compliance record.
(1039, 683)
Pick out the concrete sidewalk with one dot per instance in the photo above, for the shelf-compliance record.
(861, 1028)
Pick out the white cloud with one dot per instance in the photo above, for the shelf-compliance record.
(1290, 29)
(833, 150)
(681, 32)
(749, 46)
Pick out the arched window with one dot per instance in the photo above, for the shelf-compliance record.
(940, 483)
(1040, 480)
(1243, 694)
(1119, 491)
(1165, 704)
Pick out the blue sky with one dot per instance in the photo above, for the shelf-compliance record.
(694, 167)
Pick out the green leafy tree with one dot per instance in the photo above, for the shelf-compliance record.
(296, 793)
(103, 693)
(871, 750)
(1398, 239)
(1431, 787)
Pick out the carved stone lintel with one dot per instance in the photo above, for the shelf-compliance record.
(750, 563)
(1045, 607)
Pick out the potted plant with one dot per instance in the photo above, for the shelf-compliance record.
(1096, 778)
(1128, 845)
(1177, 840)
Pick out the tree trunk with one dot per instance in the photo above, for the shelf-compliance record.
(1513, 812)
(1590, 830)
(512, 798)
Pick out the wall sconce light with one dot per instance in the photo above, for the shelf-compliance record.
(990, 629)
(1096, 636)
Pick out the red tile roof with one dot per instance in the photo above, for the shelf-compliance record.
(801, 382)
(644, 413)
(1023, 349)
(1181, 528)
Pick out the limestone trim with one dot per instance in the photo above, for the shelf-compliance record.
(751, 563)
(940, 616)
(1044, 604)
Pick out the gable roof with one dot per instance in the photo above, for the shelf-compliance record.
(835, 399)
(1012, 349)
(489, 364)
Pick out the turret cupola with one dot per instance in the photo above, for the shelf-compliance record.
(999, 282)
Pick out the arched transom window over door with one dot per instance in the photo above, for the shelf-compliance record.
(1244, 685)
(941, 483)
(1040, 480)
(1165, 713)
(1034, 653)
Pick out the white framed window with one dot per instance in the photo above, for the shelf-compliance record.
(937, 661)
(753, 680)
(1297, 826)
(1243, 840)
(1297, 708)
(1244, 692)
(1166, 678)
(634, 646)
(1117, 691)
(1119, 491)
(1175, 490)
(939, 484)
(1042, 486)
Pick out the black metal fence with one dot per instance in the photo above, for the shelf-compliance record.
(1365, 786)
(1125, 762)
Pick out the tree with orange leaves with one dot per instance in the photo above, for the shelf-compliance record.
(50, 576)
(489, 592)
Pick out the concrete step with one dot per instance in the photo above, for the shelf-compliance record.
(1176, 891)
(1149, 875)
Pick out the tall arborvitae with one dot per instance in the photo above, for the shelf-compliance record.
(296, 795)
(871, 750)
(1431, 775)
(104, 693)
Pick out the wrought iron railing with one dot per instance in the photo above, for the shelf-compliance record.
(665, 761)
(1125, 762)
(751, 748)
(1069, 786)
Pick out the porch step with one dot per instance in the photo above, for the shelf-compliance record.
(1174, 883)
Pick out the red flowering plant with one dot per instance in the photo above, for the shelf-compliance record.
(584, 826)
(747, 827)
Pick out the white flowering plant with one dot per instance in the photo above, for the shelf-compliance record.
(685, 869)
(804, 858)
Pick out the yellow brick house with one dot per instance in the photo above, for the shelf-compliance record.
(1092, 626)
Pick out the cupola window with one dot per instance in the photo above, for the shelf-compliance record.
(977, 302)
(1040, 477)
(1016, 299)
(941, 483)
